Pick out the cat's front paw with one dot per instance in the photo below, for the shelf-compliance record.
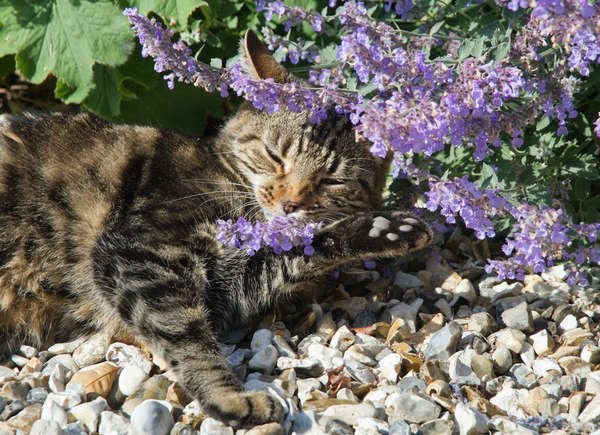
(383, 234)
(246, 409)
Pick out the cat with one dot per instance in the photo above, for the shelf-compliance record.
(107, 227)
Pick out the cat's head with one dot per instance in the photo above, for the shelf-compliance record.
(298, 168)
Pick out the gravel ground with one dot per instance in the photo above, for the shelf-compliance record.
(440, 350)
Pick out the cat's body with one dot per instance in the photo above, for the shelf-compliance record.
(112, 228)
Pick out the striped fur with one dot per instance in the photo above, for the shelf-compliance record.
(109, 227)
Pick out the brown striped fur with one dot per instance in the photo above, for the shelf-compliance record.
(109, 227)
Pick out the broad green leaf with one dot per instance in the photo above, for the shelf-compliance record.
(175, 12)
(183, 109)
(64, 38)
(436, 27)
(105, 98)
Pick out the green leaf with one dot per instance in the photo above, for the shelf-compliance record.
(105, 98)
(501, 51)
(436, 27)
(465, 49)
(183, 109)
(175, 12)
(64, 38)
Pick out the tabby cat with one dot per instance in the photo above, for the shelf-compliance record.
(109, 227)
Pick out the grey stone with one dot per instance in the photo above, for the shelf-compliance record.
(443, 343)
(360, 372)
(372, 426)
(400, 427)
(464, 290)
(51, 411)
(406, 280)
(304, 367)
(438, 426)
(518, 317)
(337, 427)
(37, 395)
(459, 368)
(152, 417)
(523, 375)
(11, 409)
(500, 290)
(261, 339)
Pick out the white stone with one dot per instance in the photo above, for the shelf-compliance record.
(389, 367)
(264, 360)
(45, 427)
(407, 312)
(590, 353)
(512, 339)
(527, 354)
(555, 273)
(283, 348)
(342, 339)
(568, 323)
(68, 347)
(91, 351)
(89, 413)
(508, 399)
(371, 426)
(376, 397)
(459, 368)
(65, 399)
(130, 379)
(542, 366)
(151, 417)
(470, 421)
(411, 407)
(51, 411)
(350, 414)
(591, 411)
(305, 386)
(125, 355)
(542, 342)
(112, 424)
(261, 339)
(64, 359)
(328, 357)
(28, 351)
(464, 290)
(58, 378)
(210, 426)
(346, 394)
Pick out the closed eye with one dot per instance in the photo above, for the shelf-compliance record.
(332, 181)
(274, 157)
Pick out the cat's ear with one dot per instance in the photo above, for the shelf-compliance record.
(259, 61)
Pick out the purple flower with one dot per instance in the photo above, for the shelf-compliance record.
(281, 234)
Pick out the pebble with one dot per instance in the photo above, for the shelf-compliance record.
(123, 355)
(68, 347)
(406, 280)
(113, 424)
(411, 407)
(44, 427)
(210, 426)
(542, 342)
(406, 312)
(518, 317)
(152, 417)
(443, 343)
(428, 362)
(342, 339)
(25, 418)
(91, 351)
(89, 413)
(264, 360)
(51, 411)
(131, 379)
(350, 414)
(261, 339)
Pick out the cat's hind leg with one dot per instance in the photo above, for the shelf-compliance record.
(157, 292)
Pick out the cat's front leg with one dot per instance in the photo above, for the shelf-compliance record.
(371, 234)
(158, 291)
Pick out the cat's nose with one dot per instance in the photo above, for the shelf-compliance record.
(289, 206)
